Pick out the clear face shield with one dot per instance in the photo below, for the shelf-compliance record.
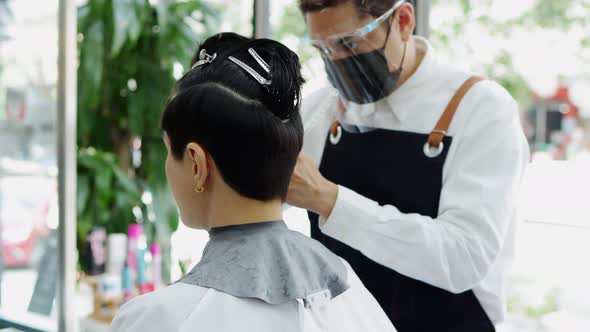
(356, 64)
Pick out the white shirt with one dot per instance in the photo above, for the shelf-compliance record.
(470, 245)
(188, 308)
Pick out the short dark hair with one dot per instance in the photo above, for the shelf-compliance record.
(374, 8)
(253, 132)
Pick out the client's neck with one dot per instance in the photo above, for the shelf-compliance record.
(228, 208)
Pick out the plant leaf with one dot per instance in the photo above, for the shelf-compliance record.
(102, 184)
(162, 12)
(124, 20)
(466, 6)
(126, 183)
(83, 188)
(136, 111)
(91, 69)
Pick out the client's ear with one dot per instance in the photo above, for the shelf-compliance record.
(198, 159)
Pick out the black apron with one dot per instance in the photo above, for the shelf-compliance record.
(390, 167)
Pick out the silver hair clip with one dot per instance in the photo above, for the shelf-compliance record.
(260, 60)
(251, 71)
(265, 82)
(204, 58)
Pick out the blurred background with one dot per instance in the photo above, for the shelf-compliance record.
(129, 53)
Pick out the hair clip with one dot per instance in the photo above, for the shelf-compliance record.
(204, 58)
(251, 71)
(260, 60)
(265, 82)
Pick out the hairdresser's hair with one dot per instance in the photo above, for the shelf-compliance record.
(252, 131)
(373, 8)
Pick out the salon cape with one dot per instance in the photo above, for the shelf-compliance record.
(264, 278)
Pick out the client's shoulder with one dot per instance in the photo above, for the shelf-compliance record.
(182, 307)
(161, 310)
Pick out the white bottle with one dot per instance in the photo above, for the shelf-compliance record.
(156, 252)
(116, 251)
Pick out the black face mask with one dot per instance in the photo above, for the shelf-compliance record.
(364, 78)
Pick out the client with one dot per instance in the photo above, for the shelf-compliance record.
(233, 133)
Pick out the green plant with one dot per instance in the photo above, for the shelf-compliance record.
(130, 53)
(106, 195)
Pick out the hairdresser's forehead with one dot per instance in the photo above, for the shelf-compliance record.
(335, 20)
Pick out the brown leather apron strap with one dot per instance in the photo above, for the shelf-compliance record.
(440, 130)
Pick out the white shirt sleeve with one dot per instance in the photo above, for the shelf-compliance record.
(455, 250)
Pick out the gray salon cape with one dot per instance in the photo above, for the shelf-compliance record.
(260, 277)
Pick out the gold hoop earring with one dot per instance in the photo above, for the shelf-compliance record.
(199, 190)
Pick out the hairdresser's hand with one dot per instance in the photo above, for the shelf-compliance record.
(310, 190)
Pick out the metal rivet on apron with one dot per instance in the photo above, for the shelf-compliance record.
(433, 152)
(334, 139)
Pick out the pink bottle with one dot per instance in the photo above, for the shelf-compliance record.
(134, 233)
